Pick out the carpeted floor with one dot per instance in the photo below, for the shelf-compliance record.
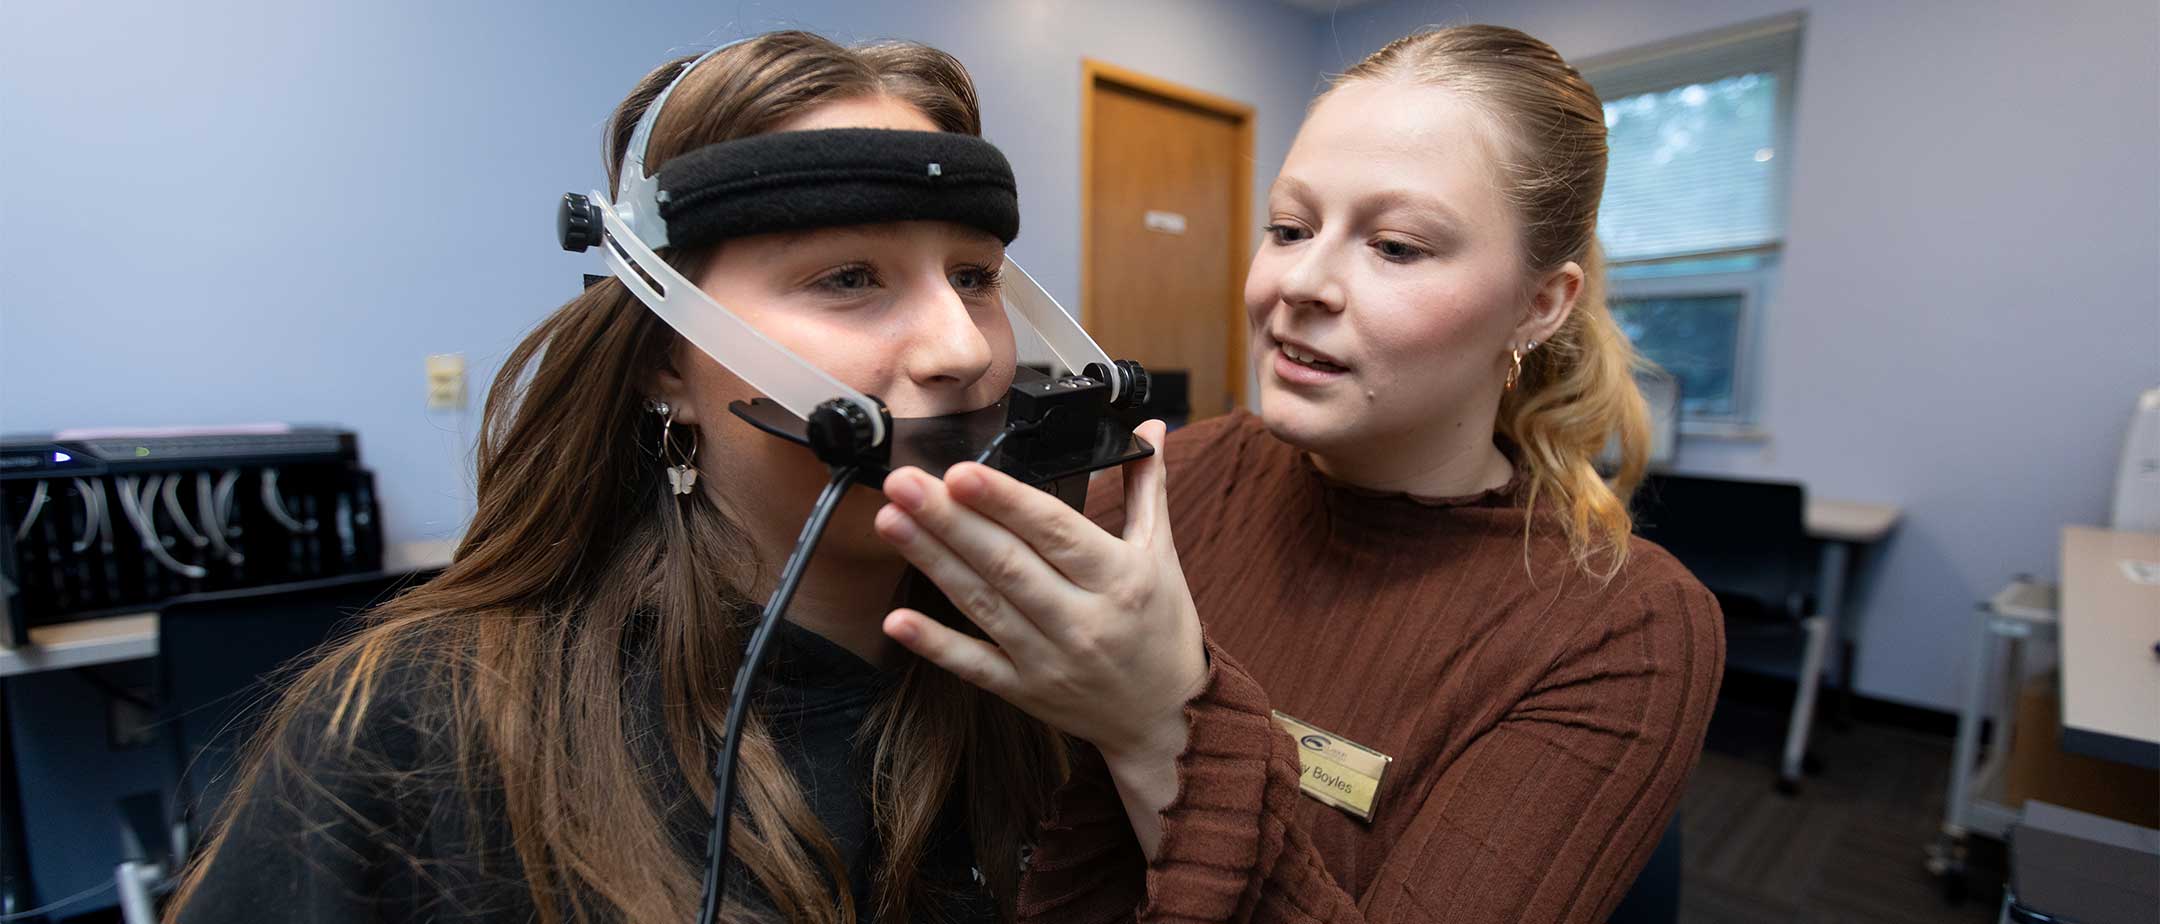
(1849, 848)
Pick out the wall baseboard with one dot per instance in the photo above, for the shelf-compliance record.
(1771, 691)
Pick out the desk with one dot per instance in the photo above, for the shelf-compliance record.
(1850, 521)
(88, 642)
(2108, 624)
(1838, 527)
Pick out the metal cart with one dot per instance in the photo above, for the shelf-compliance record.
(2024, 611)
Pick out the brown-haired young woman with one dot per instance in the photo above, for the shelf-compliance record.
(527, 736)
(1440, 681)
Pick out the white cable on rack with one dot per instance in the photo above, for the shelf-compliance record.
(106, 533)
(93, 514)
(206, 507)
(144, 491)
(275, 500)
(227, 486)
(344, 520)
(37, 506)
(132, 502)
(171, 493)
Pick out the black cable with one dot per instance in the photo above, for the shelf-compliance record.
(739, 698)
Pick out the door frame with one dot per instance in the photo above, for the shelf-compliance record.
(1095, 75)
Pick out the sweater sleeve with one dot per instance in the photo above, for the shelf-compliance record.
(1547, 816)
(314, 826)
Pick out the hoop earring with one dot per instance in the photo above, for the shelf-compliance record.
(1514, 373)
(681, 476)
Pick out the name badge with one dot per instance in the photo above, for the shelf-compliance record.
(1335, 770)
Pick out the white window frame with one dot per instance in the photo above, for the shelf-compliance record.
(1763, 46)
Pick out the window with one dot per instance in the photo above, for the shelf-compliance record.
(1698, 327)
(1694, 211)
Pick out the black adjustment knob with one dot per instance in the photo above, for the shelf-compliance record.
(577, 223)
(1135, 392)
(1132, 382)
(842, 433)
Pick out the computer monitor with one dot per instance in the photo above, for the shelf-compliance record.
(1661, 392)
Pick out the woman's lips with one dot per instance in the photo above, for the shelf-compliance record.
(1298, 364)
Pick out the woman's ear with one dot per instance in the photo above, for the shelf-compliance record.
(1550, 304)
(667, 385)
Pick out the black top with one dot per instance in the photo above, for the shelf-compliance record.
(382, 832)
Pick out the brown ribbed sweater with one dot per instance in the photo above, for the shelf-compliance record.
(1543, 722)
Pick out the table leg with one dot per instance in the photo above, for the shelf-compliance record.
(1792, 764)
(1971, 712)
(1823, 631)
(1830, 577)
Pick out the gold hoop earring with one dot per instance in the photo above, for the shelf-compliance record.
(1514, 373)
(681, 476)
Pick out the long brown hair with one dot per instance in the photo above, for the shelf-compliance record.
(582, 576)
(1577, 390)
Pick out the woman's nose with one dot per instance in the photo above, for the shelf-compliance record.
(1310, 280)
(946, 351)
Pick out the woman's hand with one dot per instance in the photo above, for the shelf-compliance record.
(1095, 634)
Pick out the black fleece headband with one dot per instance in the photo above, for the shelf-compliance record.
(791, 181)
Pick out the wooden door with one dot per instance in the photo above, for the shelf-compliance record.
(1166, 193)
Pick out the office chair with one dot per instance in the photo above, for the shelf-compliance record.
(1747, 541)
(220, 659)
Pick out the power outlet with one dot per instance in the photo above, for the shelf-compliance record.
(446, 381)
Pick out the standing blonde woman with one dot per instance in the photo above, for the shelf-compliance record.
(1422, 671)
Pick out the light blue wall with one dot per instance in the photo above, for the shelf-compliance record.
(226, 211)
(1970, 298)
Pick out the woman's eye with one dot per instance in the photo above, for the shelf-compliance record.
(1398, 250)
(848, 279)
(975, 279)
(1286, 234)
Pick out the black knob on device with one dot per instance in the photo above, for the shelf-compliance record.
(1130, 379)
(842, 433)
(1135, 392)
(577, 223)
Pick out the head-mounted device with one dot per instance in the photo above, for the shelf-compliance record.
(1045, 431)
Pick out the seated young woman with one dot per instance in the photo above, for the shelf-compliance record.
(528, 736)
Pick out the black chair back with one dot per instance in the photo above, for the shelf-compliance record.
(1745, 540)
(1655, 896)
(220, 659)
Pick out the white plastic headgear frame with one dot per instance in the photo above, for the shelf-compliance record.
(758, 360)
(637, 196)
(635, 231)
